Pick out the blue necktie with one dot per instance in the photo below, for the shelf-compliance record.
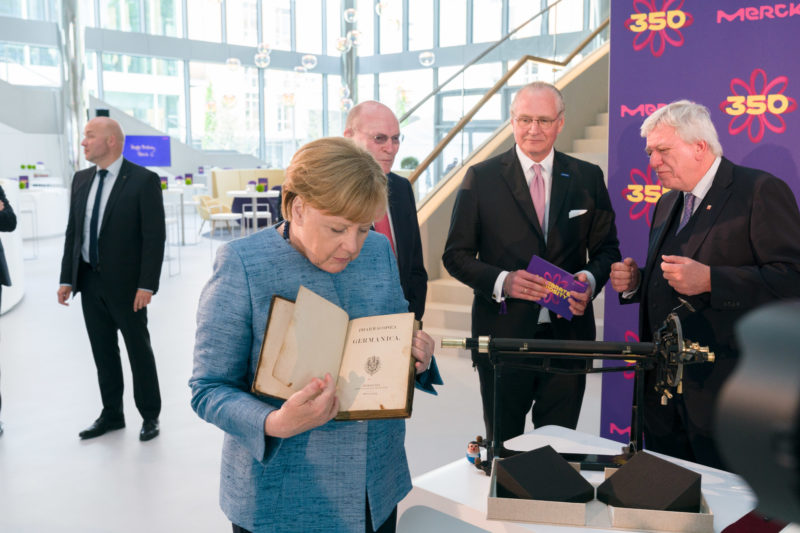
(93, 249)
(688, 209)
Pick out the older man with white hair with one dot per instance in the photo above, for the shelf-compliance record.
(725, 239)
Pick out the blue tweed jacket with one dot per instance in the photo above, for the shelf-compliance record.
(318, 480)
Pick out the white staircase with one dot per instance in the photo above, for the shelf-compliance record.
(447, 312)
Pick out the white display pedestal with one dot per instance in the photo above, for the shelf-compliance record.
(454, 497)
(48, 205)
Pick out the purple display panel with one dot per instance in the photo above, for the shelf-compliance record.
(148, 150)
(732, 57)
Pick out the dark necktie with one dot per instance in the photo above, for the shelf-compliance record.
(93, 249)
(688, 209)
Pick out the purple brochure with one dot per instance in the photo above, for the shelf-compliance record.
(559, 282)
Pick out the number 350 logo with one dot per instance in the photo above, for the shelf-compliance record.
(645, 193)
(657, 20)
(757, 104)
(655, 26)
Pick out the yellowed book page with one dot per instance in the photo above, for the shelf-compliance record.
(313, 342)
(280, 316)
(374, 371)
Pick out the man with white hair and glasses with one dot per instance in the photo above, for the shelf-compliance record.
(532, 200)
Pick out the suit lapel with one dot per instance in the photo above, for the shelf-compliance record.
(514, 178)
(671, 206)
(711, 207)
(119, 184)
(82, 198)
(395, 206)
(559, 188)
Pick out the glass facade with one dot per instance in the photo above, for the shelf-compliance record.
(25, 64)
(163, 17)
(204, 19)
(123, 15)
(241, 22)
(148, 88)
(224, 107)
(186, 89)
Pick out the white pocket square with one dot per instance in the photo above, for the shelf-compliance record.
(576, 213)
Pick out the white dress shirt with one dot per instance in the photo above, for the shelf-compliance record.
(108, 185)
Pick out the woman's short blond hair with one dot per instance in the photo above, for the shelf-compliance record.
(337, 177)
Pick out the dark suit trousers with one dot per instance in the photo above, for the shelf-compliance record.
(104, 314)
(556, 398)
(1, 302)
(669, 429)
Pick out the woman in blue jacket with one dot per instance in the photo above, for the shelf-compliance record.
(286, 466)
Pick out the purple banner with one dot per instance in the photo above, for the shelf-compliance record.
(729, 56)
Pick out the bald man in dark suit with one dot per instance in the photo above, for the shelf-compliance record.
(373, 127)
(113, 251)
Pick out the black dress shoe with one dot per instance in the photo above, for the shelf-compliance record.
(149, 429)
(101, 426)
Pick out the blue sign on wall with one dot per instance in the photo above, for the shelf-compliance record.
(148, 150)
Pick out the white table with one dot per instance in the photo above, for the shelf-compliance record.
(254, 196)
(50, 206)
(182, 191)
(454, 497)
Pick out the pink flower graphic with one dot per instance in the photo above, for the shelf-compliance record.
(630, 336)
(658, 39)
(641, 179)
(556, 280)
(757, 125)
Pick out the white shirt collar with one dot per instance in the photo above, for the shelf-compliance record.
(701, 189)
(114, 167)
(527, 162)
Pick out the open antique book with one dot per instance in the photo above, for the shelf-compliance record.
(369, 357)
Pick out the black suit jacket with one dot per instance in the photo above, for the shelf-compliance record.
(131, 235)
(8, 222)
(403, 210)
(747, 229)
(494, 228)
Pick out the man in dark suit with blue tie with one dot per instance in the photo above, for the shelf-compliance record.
(531, 200)
(8, 222)
(725, 239)
(113, 251)
(373, 127)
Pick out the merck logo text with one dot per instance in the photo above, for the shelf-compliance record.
(641, 110)
(760, 12)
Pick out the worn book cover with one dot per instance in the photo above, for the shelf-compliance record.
(559, 283)
(369, 357)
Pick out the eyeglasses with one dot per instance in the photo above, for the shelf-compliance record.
(543, 123)
(382, 138)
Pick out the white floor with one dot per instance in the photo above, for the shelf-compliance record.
(52, 482)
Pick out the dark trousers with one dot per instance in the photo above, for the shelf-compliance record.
(668, 429)
(389, 526)
(104, 314)
(1, 304)
(556, 398)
